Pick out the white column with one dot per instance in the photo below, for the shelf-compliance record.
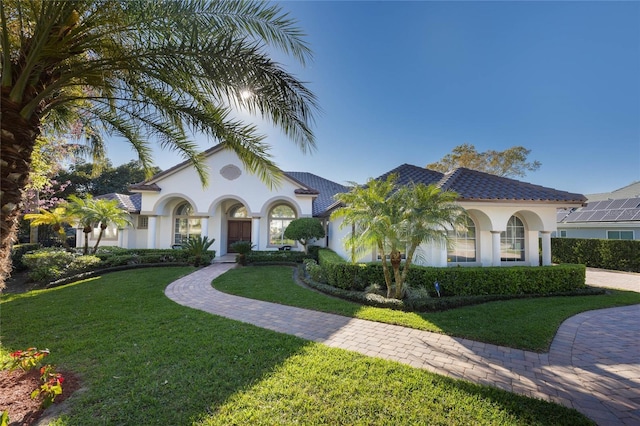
(495, 248)
(151, 232)
(255, 232)
(204, 223)
(546, 247)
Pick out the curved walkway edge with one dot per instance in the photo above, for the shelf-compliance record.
(593, 364)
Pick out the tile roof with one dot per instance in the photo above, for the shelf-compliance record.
(472, 185)
(325, 189)
(131, 203)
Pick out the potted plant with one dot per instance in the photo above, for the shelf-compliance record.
(242, 248)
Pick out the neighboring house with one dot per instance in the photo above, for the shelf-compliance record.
(613, 216)
(505, 217)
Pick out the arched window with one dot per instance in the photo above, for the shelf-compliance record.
(238, 212)
(279, 218)
(185, 224)
(512, 241)
(463, 242)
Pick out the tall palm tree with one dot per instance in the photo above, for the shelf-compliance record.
(56, 218)
(104, 213)
(144, 70)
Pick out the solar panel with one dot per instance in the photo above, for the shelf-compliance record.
(627, 214)
(616, 204)
(582, 216)
(597, 216)
(631, 203)
(637, 216)
(611, 215)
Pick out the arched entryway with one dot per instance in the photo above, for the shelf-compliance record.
(238, 225)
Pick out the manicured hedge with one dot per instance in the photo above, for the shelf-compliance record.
(618, 255)
(459, 281)
(277, 256)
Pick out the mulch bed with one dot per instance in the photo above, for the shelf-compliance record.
(15, 394)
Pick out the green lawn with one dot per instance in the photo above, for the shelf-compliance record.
(528, 324)
(145, 360)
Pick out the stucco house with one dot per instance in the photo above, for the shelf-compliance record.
(611, 215)
(506, 218)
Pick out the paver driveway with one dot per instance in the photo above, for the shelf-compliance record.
(593, 364)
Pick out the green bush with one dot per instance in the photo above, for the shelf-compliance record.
(125, 257)
(315, 271)
(276, 256)
(617, 255)
(51, 264)
(19, 250)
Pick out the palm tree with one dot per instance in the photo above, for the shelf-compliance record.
(104, 213)
(82, 210)
(56, 218)
(145, 70)
(367, 211)
(396, 219)
(426, 213)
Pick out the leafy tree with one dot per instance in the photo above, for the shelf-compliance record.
(396, 220)
(511, 162)
(304, 230)
(56, 218)
(83, 180)
(145, 71)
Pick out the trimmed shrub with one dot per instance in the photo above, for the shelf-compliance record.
(51, 264)
(315, 271)
(617, 255)
(276, 256)
(19, 250)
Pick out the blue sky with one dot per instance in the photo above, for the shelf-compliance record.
(406, 82)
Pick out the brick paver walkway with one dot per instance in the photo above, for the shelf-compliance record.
(593, 364)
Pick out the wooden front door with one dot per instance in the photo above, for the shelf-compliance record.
(238, 230)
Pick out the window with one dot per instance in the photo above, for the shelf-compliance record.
(238, 212)
(620, 235)
(463, 242)
(563, 233)
(279, 218)
(185, 225)
(512, 241)
(143, 222)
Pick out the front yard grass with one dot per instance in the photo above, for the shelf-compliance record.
(144, 359)
(528, 324)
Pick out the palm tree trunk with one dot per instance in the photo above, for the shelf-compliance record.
(87, 230)
(396, 259)
(95, 248)
(17, 142)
